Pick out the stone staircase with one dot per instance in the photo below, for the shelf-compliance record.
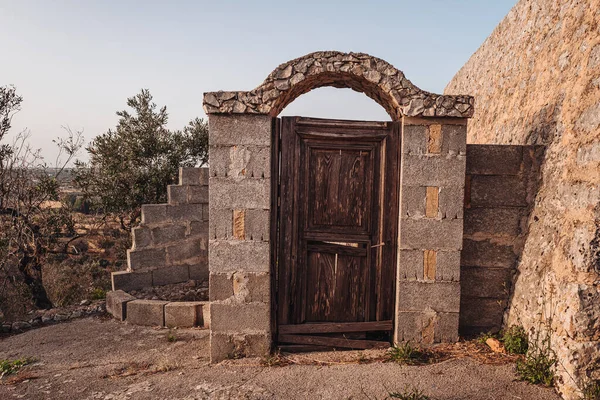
(171, 243)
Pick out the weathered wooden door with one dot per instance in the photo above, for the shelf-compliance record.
(338, 213)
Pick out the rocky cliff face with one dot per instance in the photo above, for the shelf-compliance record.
(536, 80)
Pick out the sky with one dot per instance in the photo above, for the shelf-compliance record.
(76, 62)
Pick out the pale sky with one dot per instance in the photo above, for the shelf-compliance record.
(76, 62)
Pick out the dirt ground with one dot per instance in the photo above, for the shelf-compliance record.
(101, 359)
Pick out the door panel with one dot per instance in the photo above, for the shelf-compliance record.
(338, 227)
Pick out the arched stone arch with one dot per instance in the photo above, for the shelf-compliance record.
(361, 72)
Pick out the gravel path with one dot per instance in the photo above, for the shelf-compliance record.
(101, 359)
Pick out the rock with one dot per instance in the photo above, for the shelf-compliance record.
(495, 345)
(61, 317)
(20, 326)
(47, 318)
(85, 303)
(75, 314)
(6, 328)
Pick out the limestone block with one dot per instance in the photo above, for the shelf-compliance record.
(257, 224)
(418, 170)
(446, 328)
(199, 270)
(187, 250)
(191, 175)
(493, 159)
(185, 212)
(197, 194)
(146, 258)
(245, 286)
(184, 314)
(448, 266)
(236, 129)
(494, 221)
(498, 191)
(426, 327)
(245, 193)
(128, 280)
(431, 234)
(486, 282)
(486, 253)
(141, 237)
(154, 213)
(146, 312)
(199, 228)
(420, 296)
(177, 194)
(116, 303)
(169, 275)
(226, 346)
(240, 161)
(230, 256)
(168, 233)
(221, 223)
(240, 317)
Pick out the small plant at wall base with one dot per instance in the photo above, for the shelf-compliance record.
(538, 365)
(409, 394)
(515, 340)
(406, 353)
(9, 367)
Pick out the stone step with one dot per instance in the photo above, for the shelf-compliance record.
(193, 176)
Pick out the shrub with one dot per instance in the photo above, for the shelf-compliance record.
(515, 340)
(538, 365)
(406, 353)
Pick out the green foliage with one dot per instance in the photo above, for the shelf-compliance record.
(9, 367)
(98, 294)
(409, 394)
(133, 164)
(406, 353)
(591, 390)
(515, 340)
(171, 337)
(540, 361)
(483, 337)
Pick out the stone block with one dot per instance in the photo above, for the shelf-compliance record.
(452, 202)
(141, 236)
(420, 296)
(239, 224)
(197, 194)
(494, 159)
(204, 171)
(413, 201)
(146, 259)
(127, 280)
(240, 317)
(187, 250)
(257, 224)
(177, 194)
(169, 275)
(454, 139)
(226, 193)
(504, 221)
(448, 266)
(184, 314)
(245, 286)
(168, 233)
(494, 283)
(241, 161)
(414, 139)
(205, 212)
(230, 256)
(239, 129)
(410, 264)
(226, 346)
(185, 212)
(199, 228)
(418, 170)
(154, 213)
(497, 191)
(146, 312)
(191, 175)
(426, 327)
(199, 270)
(486, 253)
(478, 315)
(431, 234)
(220, 286)
(116, 303)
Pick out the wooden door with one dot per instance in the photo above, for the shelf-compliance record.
(336, 252)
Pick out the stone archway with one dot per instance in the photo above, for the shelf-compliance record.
(244, 190)
(358, 71)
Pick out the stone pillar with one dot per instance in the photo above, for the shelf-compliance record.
(239, 250)
(432, 179)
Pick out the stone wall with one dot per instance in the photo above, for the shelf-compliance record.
(501, 185)
(171, 243)
(239, 247)
(536, 80)
(432, 178)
